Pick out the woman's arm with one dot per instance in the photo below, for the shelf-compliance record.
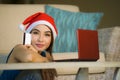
(23, 53)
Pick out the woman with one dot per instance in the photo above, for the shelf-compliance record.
(43, 32)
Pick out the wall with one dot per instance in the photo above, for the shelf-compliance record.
(110, 8)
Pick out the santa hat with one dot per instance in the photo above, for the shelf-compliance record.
(36, 19)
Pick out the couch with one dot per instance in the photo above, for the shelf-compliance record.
(109, 38)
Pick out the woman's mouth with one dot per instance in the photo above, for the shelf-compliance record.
(39, 45)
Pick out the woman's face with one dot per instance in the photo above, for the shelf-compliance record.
(41, 37)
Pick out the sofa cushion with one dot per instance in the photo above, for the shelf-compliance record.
(67, 23)
(109, 39)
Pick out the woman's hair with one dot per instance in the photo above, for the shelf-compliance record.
(49, 49)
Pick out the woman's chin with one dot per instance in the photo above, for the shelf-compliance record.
(40, 49)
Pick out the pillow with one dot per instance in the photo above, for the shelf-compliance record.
(67, 23)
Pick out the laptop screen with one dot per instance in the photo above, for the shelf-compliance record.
(88, 48)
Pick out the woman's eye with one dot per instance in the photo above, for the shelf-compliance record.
(35, 32)
(47, 34)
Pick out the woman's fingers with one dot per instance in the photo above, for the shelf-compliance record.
(30, 47)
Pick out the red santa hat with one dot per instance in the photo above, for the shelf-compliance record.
(36, 19)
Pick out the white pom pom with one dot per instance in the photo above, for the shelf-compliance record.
(22, 27)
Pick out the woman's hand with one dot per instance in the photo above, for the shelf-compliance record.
(26, 53)
(36, 57)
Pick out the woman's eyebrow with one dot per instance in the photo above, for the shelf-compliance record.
(35, 30)
(39, 31)
(48, 31)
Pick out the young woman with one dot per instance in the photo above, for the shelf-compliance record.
(43, 33)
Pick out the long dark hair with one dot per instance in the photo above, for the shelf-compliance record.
(49, 49)
(49, 74)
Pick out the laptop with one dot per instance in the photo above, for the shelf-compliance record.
(88, 48)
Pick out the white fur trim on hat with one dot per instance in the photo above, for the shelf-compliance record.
(42, 22)
(22, 27)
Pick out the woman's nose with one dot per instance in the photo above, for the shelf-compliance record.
(41, 38)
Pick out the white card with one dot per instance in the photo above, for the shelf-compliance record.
(27, 38)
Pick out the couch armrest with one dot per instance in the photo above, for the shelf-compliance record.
(109, 42)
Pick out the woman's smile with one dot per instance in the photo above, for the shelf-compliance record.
(40, 45)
